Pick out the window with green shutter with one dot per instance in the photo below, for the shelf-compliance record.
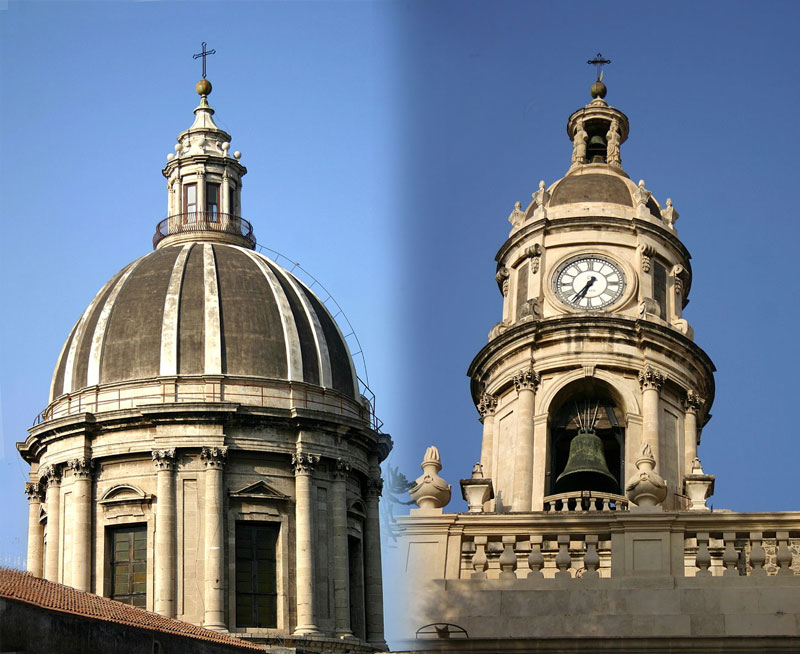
(256, 575)
(129, 565)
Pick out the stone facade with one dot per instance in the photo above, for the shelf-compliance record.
(587, 524)
(207, 453)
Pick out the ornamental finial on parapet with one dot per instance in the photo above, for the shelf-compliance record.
(430, 491)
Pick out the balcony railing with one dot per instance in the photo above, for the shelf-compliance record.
(204, 221)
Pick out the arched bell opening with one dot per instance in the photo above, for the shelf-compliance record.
(587, 438)
(596, 145)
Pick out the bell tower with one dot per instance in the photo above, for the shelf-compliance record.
(592, 366)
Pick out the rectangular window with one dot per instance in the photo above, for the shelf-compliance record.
(190, 202)
(129, 565)
(212, 201)
(660, 287)
(256, 575)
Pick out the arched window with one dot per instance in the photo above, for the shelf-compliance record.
(590, 407)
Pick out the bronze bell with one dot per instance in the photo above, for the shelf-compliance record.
(586, 467)
(596, 149)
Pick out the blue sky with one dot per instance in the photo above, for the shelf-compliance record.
(386, 144)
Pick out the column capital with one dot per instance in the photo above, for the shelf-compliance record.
(34, 491)
(374, 487)
(650, 377)
(527, 379)
(340, 468)
(50, 475)
(693, 402)
(487, 405)
(164, 459)
(304, 463)
(214, 457)
(81, 467)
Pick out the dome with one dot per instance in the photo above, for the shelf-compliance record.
(204, 308)
(598, 183)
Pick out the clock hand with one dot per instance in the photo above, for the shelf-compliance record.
(582, 293)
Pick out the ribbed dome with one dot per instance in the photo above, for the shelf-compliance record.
(204, 309)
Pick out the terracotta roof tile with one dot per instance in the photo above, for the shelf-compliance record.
(24, 587)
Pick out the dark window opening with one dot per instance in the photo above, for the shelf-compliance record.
(256, 575)
(660, 287)
(212, 201)
(357, 604)
(190, 202)
(129, 565)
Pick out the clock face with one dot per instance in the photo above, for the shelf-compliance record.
(589, 282)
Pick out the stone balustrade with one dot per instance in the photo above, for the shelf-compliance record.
(615, 542)
(585, 501)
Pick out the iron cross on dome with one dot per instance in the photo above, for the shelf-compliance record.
(204, 54)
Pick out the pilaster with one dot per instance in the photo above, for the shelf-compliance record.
(486, 408)
(692, 404)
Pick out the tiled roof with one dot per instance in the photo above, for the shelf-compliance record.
(24, 587)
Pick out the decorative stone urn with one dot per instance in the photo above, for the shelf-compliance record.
(477, 490)
(646, 488)
(430, 491)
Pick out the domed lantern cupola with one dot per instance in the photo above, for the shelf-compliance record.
(204, 182)
(597, 130)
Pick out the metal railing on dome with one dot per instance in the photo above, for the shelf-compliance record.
(204, 221)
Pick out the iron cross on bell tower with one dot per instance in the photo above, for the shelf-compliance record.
(204, 54)
(598, 62)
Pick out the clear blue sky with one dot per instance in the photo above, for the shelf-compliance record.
(386, 144)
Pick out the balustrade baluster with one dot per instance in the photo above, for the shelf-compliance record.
(479, 560)
(703, 557)
(591, 559)
(757, 554)
(508, 559)
(730, 557)
(535, 558)
(784, 554)
(563, 558)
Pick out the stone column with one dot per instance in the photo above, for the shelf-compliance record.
(51, 476)
(82, 522)
(304, 465)
(214, 616)
(373, 584)
(341, 563)
(166, 526)
(525, 382)
(201, 194)
(487, 407)
(692, 405)
(651, 381)
(225, 194)
(35, 531)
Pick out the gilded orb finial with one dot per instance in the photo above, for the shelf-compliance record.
(203, 87)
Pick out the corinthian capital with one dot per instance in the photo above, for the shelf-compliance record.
(487, 405)
(214, 457)
(526, 380)
(81, 467)
(304, 463)
(650, 377)
(693, 402)
(164, 459)
(34, 491)
(50, 475)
